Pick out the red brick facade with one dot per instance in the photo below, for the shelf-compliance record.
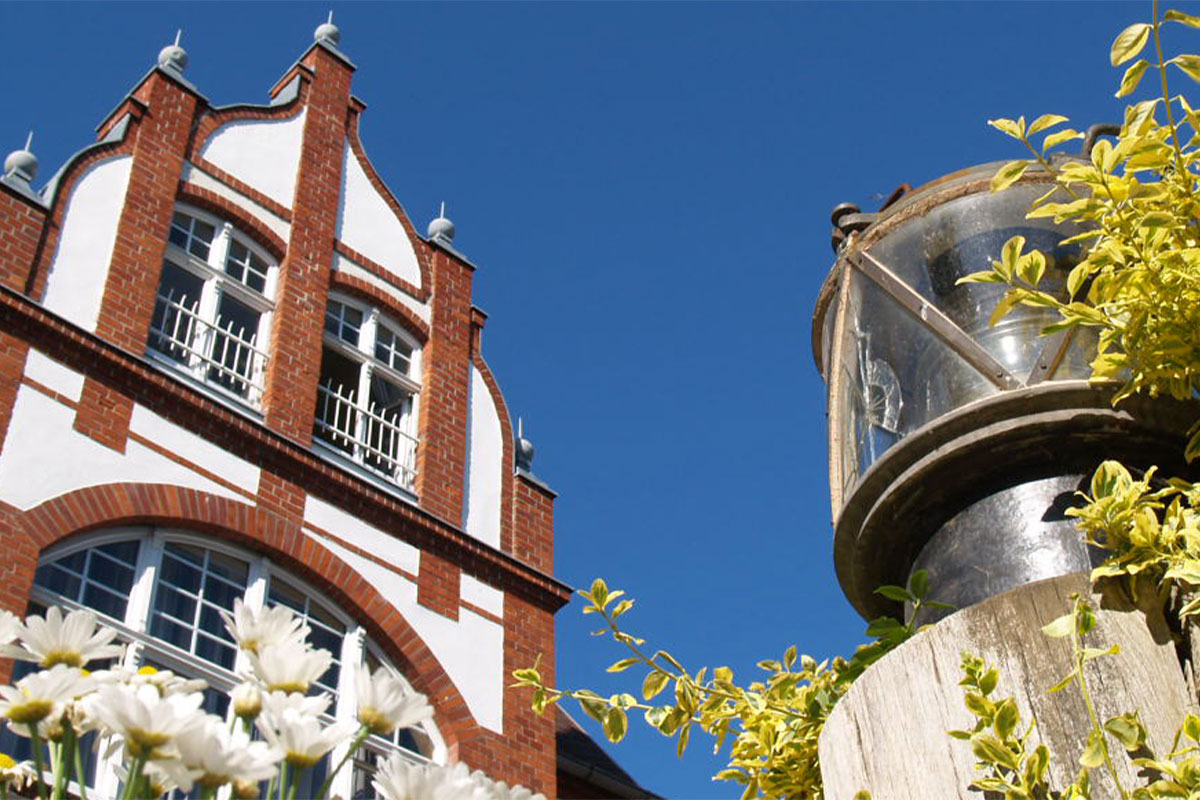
(166, 124)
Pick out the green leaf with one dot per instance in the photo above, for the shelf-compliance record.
(1014, 128)
(1129, 43)
(1079, 274)
(1179, 16)
(988, 681)
(599, 593)
(1192, 451)
(1063, 626)
(1064, 683)
(1007, 717)
(616, 725)
(897, 593)
(1157, 219)
(1009, 174)
(1127, 730)
(918, 584)
(623, 664)
(1132, 77)
(1191, 727)
(1093, 754)
(684, 734)
(1065, 135)
(1045, 121)
(988, 749)
(1190, 64)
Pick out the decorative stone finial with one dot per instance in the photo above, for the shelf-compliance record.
(173, 57)
(524, 455)
(441, 227)
(22, 163)
(328, 32)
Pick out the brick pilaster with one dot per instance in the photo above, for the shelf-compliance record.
(441, 462)
(439, 584)
(533, 523)
(160, 140)
(21, 224)
(295, 363)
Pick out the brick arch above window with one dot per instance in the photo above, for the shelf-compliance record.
(244, 221)
(95, 507)
(357, 288)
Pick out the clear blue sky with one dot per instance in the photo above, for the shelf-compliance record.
(646, 188)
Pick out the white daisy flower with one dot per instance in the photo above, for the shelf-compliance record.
(166, 681)
(302, 739)
(289, 667)
(54, 639)
(255, 629)
(41, 695)
(18, 776)
(221, 756)
(385, 703)
(145, 719)
(247, 700)
(399, 779)
(277, 703)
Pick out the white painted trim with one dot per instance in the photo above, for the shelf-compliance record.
(352, 269)
(194, 176)
(53, 375)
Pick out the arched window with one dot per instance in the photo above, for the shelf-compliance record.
(367, 395)
(214, 303)
(163, 591)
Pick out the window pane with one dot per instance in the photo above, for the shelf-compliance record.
(230, 568)
(343, 321)
(58, 581)
(214, 651)
(337, 411)
(125, 552)
(104, 601)
(174, 603)
(174, 326)
(170, 632)
(202, 236)
(179, 573)
(243, 265)
(233, 345)
(391, 350)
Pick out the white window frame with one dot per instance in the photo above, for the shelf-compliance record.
(133, 629)
(357, 411)
(200, 323)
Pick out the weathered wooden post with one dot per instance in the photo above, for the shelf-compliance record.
(956, 447)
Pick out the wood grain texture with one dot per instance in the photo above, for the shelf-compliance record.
(888, 734)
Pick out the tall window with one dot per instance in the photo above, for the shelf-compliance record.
(366, 400)
(213, 305)
(163, 592)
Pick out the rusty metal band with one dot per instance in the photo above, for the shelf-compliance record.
(941, 325)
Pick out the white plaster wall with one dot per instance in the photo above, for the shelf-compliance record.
(85, 246)
(53, 375)
(348, 267)
(197, 177)
(199, 451)
(44, 457)
(471, 649)
(345, 526)
(264, 154)
(485, 449)
(480, 594)
(367, 223)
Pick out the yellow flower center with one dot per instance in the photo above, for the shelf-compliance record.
(72, 658)
(142, 743)
(147, 670)
(30, 713)
(6, 761)
(377, 722)
(301, 760)
(295, 687)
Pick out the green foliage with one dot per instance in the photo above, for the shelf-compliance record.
(771, 724)
(1138, 202)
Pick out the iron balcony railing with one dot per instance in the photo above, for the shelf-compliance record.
(371, 436)
(214, 351)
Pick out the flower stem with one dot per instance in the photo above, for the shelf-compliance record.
(77, 760)
(359, 738)
(38, 761)
(133, 777)
(284, 777)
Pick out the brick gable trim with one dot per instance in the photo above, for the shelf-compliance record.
(356, 147)
(242, 220)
